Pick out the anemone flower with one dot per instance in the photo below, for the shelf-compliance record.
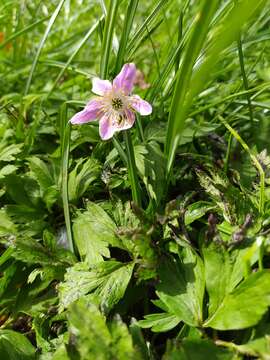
(115, 106)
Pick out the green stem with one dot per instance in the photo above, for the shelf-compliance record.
(65, 144)
(132, 170)
(120, 150)
(254, 160)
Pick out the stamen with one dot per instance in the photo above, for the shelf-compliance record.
(117, 103)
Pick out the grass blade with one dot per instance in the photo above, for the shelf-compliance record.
(131, 11)
(41, 44)
(107, 38)
(177, 112)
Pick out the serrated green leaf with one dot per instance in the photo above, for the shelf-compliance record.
(245, 305)
(41, 172)
(29, 250)
(151, 166)
(7, 153)
(94, 338)
(80, 178)
(181, 287)
(7, 170)
(108, 279)
(233, 264)
(94, 231)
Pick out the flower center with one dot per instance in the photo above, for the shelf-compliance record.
(117, 103)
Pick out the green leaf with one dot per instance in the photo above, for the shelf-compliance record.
(159, 322)
(234, 268)
(139, 341)
(245, 305)
(15, 346)
(197, 210)
(108, 279)
(41, 172)
(24, 191)
(80, 178)
(151, 166)
(89, 326)
(7, 153)
(94, 231)
(113, 289)
(7, 170)
(30, 251)
(258, 347)
(79, 281)
(197, 349)
(7, 227)
(181, 287)
(94, 339)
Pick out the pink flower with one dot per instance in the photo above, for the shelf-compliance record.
(115, 106)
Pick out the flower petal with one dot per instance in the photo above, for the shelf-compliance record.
(140, 105)
(89, 113)
(100, 87)
(125, 79)
(129, 120)
(106, 128)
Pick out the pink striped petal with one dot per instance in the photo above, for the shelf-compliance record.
(125, 79)
(129, 120)
(140, 105)
(100, 87)
(106, 128)
(89, 113)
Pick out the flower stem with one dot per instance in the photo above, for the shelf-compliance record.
(132, 170)
(65, 144)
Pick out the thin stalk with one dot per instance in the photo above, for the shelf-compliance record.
(244, 76)
(254, 160)
(226, 164)
(120, 150)
(139, 128)
(130, 159)
(132, 172)
(65, 145)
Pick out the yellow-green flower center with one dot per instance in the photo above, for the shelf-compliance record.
(117, 103)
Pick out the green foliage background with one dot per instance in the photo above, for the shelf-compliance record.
(154, 245)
